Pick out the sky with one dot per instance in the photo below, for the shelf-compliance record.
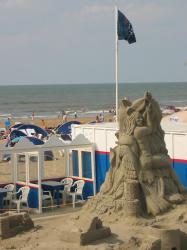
(64, 42)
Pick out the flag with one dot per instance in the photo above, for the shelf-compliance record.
(124, 28)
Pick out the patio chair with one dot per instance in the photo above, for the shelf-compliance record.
(22, 199)
(7, 199)
(76, 190)
(67, 182)
(46, 195)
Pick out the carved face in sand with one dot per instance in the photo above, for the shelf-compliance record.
(139, 120)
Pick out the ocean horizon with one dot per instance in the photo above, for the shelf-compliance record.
(48, 100)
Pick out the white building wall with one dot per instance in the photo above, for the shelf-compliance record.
(103, 135)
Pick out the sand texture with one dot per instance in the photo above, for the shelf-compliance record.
(128, 233)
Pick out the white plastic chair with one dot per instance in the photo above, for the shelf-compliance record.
(23, 198)
(7, 199)
(46, 195)
(79, 185)
(67, 182)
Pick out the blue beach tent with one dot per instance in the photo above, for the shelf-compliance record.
(17, 139)
(15, 126)
(37, 129)
(16, 133)
(65, 129)
(34, 140)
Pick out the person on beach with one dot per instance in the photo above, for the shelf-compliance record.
(43, 124)
(64, 118)
(75, 114)
(61, 114)
(97, 119)
(7, 124)
(101, 118)
(32, 117)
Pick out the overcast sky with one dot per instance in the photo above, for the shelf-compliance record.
(72, 41)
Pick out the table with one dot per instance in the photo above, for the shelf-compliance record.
(53, 186)
(3, 193)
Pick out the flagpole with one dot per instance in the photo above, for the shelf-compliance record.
(116, 59)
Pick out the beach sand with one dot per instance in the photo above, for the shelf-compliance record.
(127, 233)
(53, 122)
(180, 116)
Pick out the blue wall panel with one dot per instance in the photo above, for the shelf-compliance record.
(181, 171)
(75, 163)
(33, 196)
(102, 166)
(88, 189)
(86, 165)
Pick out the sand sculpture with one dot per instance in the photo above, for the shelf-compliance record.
(141, 179)
(139, 188)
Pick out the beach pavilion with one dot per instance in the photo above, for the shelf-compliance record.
(79, 163)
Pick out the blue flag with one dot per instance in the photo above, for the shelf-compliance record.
(124, 29)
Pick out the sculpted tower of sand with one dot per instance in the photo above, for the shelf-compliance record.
(141, 179)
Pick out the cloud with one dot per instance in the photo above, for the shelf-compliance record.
(15, 41)
(14, 3)
(96, 9)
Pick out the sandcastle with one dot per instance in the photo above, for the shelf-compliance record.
(141, 183)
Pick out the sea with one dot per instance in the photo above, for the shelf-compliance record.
(20, 101)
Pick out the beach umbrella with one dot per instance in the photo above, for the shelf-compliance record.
(65, 128)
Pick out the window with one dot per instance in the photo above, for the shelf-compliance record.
(75, 163)
(54, 163)
(5, 168)
(33, 167)
(21, 167)
(86, 165)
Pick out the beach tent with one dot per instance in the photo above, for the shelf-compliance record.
(16, 133)
(65, 129)
(19, 135)
(17, 139)
(31, 129)
(15, 126)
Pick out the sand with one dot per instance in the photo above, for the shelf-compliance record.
(53, 122)
(128, 233)
(180, 116)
